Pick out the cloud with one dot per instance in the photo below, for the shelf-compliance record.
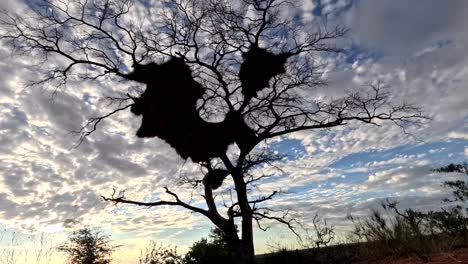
(402, 28)
(308, 7)
(460, 135)
(10, 4)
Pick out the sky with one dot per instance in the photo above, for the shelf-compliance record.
(417, 48)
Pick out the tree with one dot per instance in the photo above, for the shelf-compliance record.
(217, 74)
(212, 250)
(459, 187)
(86, 246)
(159, 254)
(453, 220)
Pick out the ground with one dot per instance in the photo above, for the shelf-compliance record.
(452, 257)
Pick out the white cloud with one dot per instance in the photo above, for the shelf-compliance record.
(307, 10)
(459, 135)
(401, 28)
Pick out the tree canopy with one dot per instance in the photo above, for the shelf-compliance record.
(87, 246)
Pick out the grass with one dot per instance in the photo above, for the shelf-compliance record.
(384, 233)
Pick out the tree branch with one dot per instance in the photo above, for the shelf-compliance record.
(119, 197)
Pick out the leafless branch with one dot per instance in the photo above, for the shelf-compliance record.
(284, 218)
(118, 197)
(91, 125)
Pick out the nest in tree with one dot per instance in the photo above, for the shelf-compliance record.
(241, 133)
(214, 178)
(168, 107)
(258, 68)
(171, 90)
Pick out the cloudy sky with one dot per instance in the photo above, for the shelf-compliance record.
(417, 48)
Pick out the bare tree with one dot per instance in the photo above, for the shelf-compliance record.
(217, 73)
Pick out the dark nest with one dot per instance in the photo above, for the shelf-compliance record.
(258, 68)
(215, 177)
(168, 107)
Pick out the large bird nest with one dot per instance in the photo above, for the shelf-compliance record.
(168, 105)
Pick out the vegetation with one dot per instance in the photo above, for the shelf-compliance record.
(18, 248)
(87, 246)
(390, 232)
(215, 249)
(159, 254)
(414, 232)
(459, 187)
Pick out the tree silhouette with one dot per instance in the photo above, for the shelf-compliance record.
(86, 246)
(459, 187)
(211, 250)
(217, 74)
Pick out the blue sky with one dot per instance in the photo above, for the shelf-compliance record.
(417, 48)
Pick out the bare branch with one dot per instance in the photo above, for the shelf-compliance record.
(91, 125)
(283, 219)
(118, 197)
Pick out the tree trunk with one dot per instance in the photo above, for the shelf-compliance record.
(236, 246)
(246, 212)
(246, 247)
(247, 237)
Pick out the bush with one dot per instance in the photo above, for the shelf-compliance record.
(87, 246)
(316, 248)
(214, 250)
(410, 232)
(159, 254)
(204, 251)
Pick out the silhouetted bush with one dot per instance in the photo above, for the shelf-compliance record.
(414, 232)
(459, 187)
(392, 234)
(205, 251)
(87, 246)
(212, 250)
(410, 232)
(159, 254)
(316, 248)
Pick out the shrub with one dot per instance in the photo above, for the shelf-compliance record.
(87, 246)
(410, 232)
(214, 250)
(159, 254)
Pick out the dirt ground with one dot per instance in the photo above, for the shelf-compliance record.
(459, 256)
